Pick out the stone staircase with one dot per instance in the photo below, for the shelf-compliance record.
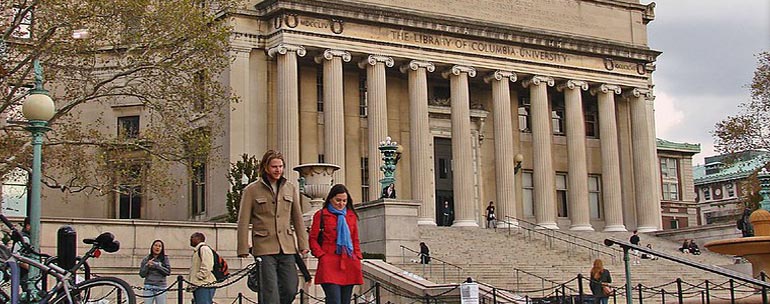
(531, 263)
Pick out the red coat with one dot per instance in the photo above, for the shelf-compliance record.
(332, 267)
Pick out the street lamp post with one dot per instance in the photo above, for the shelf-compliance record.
(38, 109)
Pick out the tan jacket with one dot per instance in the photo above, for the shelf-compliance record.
(271, 216)
(202, 265)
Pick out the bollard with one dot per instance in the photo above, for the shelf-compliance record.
(732, 291)
(708, 295)
(240, 298)
(377, 293)
(580, 287)
(180, 289)
(679, 290)
(66, 250)
(641, 299)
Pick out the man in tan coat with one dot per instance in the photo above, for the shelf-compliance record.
(272, 207)
(201, 268)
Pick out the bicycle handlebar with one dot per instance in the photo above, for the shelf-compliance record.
(17, 237)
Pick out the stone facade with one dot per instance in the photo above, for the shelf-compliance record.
(464, 86)
(676, 183)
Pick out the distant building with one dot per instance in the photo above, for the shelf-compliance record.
(722, 184)
(678, 206)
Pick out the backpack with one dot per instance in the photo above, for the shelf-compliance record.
(220, 270)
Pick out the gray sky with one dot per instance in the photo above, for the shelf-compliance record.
(708, 59)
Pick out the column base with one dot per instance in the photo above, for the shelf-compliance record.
(543, 226)
(426, 222)
(615, 228)
(465, 223)
(644, 229)
(581, 227)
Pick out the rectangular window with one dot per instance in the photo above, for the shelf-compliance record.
(130, 202)
(14, 193)
(524, 121)
(364, 179)
(199, 102)
(128, 127)
(24, 28)
(319, 83)
(561, 195)
(706, 193)
(595, 196)
(528, 194)
(591, 118)
(730, 190)
(321, 158)
(557, 116)
(674, 223)
(443, 168)
(363, 101)
(198, 188)
(670, 191)
(668, 167)
(669, 175)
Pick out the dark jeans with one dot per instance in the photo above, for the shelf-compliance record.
(203, 295)
(278, 281)
(337, 294)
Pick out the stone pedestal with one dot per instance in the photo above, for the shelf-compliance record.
(386, 224)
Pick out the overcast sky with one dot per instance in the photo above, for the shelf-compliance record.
(708, 60)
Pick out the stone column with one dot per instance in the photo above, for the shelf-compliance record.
(647, 204)
(611, 183)
(543, 175)
(420, 139)
(378, 116)
(462, 158)
(504, 164)
(579, 211)
(287, 100)
(334, 118)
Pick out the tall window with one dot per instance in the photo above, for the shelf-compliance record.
(591, 117)
(199, 102)
(595, 196)
(24, 30)
(528, 194)
(198, 188)
(707, 193)
(319, 84)
(669, 178)
(321, 158)
(364, 179)
(524, 121)
(674, 223)
(557, 117)
(130, 190)
(128, 127)
(561, 195)
(730, 190)
(14, 193)
(363, 101)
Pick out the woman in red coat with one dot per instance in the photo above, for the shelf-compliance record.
(334, 241)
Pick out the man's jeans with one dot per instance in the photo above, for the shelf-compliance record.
(204, 295)
(278, 282)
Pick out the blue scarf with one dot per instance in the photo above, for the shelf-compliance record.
(344, 242)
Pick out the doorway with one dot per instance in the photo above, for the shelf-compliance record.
(442, 151)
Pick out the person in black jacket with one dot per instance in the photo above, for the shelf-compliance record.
(599, 282)
(424, 253)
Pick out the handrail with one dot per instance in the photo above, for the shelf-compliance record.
(544, 231)
(432, 258)
(660, 254)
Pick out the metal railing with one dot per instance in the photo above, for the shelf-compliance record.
(427, 268)
(552, 236)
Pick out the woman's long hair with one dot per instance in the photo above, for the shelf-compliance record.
(162, 253)
(596, 271)
(337, 189)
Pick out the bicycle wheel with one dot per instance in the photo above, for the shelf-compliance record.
(101, 290)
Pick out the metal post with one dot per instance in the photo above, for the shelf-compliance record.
(732, 291)
(640, 293)
(580, 287)
(240, 298)
(37, 128)
(626, 258)
(377, 293)
(180, 289)
(663, 296)
(679, 290)
(763, 277)
(708, 295)
(494, 295)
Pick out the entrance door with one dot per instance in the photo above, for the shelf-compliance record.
(443, 164)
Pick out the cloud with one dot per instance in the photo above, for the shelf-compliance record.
(667, 115)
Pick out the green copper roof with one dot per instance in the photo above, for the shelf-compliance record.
(675, 146)
(738, 169)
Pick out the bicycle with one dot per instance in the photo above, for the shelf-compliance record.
(98, 290)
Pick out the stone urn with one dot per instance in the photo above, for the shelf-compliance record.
(315, 180)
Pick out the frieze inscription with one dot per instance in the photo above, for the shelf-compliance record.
(480, 47)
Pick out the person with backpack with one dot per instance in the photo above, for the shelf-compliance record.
(201, 268)
(271, 206)
(154, 269)
(334, 241)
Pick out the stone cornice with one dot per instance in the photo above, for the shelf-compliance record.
(366, 13)
(573, 84)
(537, 80)
(500, 75)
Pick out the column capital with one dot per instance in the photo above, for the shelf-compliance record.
(456, 70)
(283, 49)
(415, 65)
(537, 80)
(572, 84)
(500, 75)
(331, 53)
(639, 92)
(374, 59)
(605, 88)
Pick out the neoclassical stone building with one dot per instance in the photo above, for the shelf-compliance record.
(464, 87)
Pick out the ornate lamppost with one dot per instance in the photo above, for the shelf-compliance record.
(391, 153)
(38, 109)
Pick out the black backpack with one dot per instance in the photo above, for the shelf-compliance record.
(220, 270)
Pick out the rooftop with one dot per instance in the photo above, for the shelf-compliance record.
(741, 167)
